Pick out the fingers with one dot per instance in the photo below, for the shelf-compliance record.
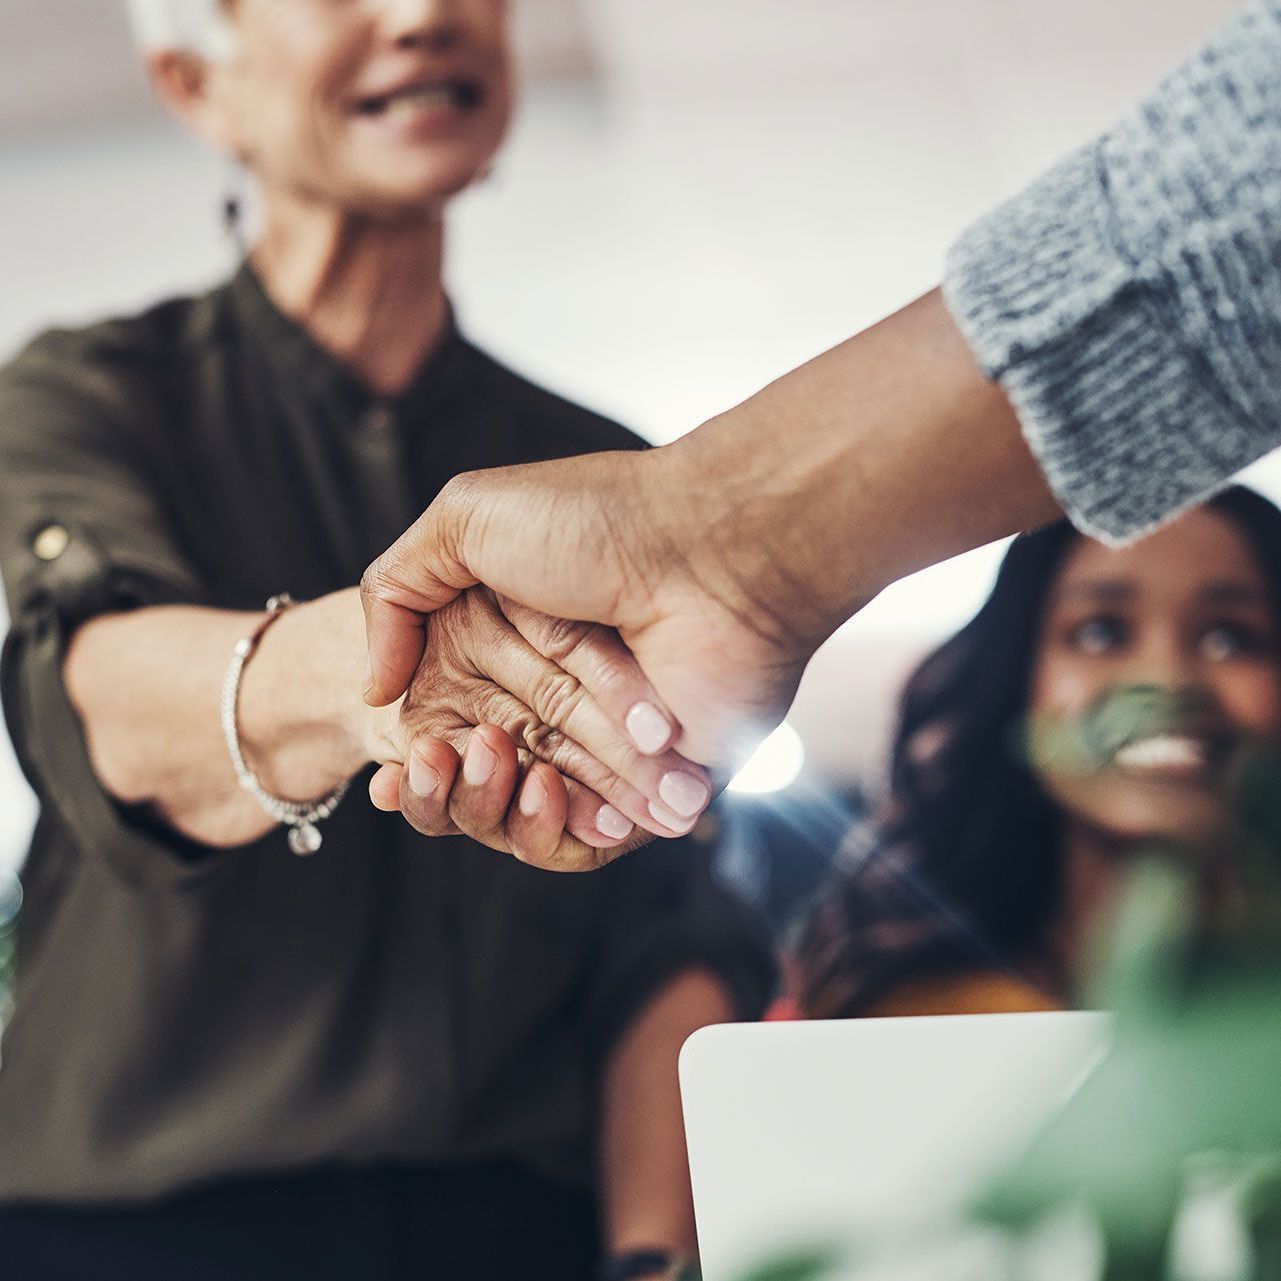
(663, 793)
(384, 788)
(414, 576)
(536, 822)
(423, 786)
(485, 805)
(597, 657)
(484, 790)
(536, 814)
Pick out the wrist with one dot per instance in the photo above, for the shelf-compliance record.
(304, 722)
(755, 495)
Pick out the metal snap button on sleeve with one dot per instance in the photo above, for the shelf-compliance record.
(50, 542)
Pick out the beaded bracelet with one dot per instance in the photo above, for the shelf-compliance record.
(300, 816)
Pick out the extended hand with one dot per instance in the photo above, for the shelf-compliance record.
(495, 675)
(618, 540)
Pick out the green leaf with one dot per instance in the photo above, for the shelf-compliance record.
(806, 1265)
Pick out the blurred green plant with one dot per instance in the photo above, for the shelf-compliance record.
(1191, 1084)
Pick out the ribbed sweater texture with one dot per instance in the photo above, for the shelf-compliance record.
(1129, 301)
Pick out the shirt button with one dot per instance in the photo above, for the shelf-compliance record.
(378, 420)
(50, 542)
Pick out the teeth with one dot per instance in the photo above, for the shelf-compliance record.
(411, 100)
(1163, 751)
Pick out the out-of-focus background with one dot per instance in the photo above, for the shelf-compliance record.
(699, 195)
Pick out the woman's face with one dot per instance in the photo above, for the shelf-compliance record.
(384, 107)
(1156, 664)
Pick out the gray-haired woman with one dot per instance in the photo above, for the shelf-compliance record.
(401, 1056)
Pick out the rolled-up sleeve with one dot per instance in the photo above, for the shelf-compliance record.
(1129, 302)
(82, 532)
(664, 914)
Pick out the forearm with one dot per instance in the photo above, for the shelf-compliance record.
(644, 1167)
(883, 455)
(147, 687)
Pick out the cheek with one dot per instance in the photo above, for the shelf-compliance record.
(1251, 697)
(283, 84)
(1062, 686)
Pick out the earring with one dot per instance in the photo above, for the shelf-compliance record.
(233, 211)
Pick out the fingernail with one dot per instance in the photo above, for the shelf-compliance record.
(648, 727)
(673, 822)
(479, 761)
(684, 793)
(533, 796)
(423, 780)
(609, 822)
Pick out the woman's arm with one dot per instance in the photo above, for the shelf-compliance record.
(147, 685)
(644, 1168)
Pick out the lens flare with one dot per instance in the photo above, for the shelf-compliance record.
(775, 764)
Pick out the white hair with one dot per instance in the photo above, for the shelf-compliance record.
(195, 26)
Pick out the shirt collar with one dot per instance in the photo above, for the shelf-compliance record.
(299, 358)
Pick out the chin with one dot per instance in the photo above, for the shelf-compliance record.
(1158, 814)
(406, 195)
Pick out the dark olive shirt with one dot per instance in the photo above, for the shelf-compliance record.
(184, 1014)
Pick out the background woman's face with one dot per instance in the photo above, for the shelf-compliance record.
(1162, 660)
(384, 107)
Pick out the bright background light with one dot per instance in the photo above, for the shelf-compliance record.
(774, 765)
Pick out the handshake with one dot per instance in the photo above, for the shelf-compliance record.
(567, 743)
(703, 576)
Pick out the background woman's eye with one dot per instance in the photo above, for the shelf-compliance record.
(1228, 640)
(1098, 635)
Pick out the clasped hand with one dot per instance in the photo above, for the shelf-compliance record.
(512, 732)
(693, 633)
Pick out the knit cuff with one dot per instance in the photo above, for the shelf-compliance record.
(1099, 378)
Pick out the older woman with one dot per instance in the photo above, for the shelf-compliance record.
(400, 1056)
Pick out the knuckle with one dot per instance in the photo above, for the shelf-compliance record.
(573, 855)
(610, 673)
(545, 741)
(556, 697)
(376, 581)
(425, 818)
(558, 639)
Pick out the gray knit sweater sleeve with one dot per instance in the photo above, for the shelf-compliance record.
(1129, 301)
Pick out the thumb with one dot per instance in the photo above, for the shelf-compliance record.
(414, 576)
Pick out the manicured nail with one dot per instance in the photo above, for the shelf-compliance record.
(423, 780)
(533, 796)
(684, 793)
(649, 728)
(609, 822)
(673, 822)
(479, 761)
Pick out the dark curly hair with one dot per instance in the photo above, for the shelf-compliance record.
(961, 870)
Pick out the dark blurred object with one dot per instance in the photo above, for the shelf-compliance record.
(10, 906)
(775, 849)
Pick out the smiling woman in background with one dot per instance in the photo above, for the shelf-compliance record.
(1100, 701)
(402, 1056)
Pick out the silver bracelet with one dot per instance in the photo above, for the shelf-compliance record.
(301, 816)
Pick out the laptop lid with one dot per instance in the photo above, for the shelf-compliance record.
(809, 1134)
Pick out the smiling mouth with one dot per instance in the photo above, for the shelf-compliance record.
(1169, 754)
(450, 95)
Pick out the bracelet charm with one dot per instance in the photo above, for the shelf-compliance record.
(301, 817)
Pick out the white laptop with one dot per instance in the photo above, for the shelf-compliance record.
(827, 1133)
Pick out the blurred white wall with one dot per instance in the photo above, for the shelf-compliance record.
(700, 194)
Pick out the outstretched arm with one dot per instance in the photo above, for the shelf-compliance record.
(726, 558)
